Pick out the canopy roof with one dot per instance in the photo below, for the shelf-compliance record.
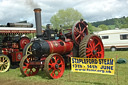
(15, 30)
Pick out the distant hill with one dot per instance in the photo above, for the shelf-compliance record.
(113, 23)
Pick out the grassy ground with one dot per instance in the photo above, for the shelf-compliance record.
(14, 77)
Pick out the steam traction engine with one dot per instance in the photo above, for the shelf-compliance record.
(51, 54)
(11, 45)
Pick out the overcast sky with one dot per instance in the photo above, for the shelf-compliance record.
(92, 10)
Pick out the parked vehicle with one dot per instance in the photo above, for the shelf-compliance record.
(114, 39)
(50, 53)
(12, 43)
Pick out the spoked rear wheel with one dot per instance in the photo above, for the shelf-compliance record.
(25, 68)
(54, 66)
(91, 47)
(4, 63)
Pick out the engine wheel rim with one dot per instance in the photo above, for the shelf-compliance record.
(27, 49)
(94, 48)
(79, 31)
(4, 63)
(25, 68)
(54, 66)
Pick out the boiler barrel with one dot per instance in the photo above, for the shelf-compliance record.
(59, 46)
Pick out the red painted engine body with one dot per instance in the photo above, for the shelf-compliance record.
(61, 47)
(14, 49)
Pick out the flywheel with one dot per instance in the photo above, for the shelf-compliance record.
(79, 31)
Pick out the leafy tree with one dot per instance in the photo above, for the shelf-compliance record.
(66, 18)
(31, 35)
(92, 28)
(124, 26)
(103, 27)
(126, 20)
(111, 27)
(118, 23)
(43, 27)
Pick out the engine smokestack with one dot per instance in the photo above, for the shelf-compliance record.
(38, 22)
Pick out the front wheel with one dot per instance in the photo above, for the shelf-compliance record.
(54, 66)
(4, 63)
(25, 68)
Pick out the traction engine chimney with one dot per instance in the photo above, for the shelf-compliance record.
(38, 22)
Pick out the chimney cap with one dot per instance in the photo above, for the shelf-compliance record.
(37, 9)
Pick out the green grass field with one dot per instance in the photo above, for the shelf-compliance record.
(14, 76)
